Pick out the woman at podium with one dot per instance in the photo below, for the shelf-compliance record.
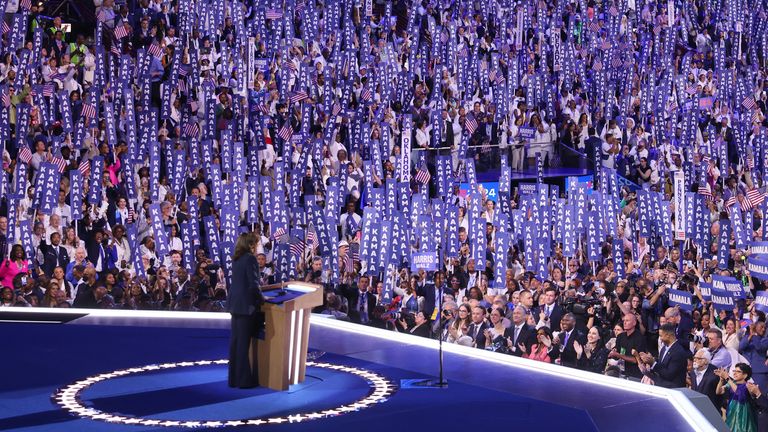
(244, 302)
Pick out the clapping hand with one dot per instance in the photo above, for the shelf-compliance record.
(546, 341)
(754, 389)
(511, 344)
(646, 358)
(722, 373)
(578, 348)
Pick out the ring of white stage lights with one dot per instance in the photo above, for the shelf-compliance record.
(69, 398)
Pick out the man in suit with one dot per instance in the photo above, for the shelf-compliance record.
(244, 301)
(54, 255)
(448, 137)
(703, 378)
(361, 302)
(98, 254)
(670, 368)
(432, 295)
(85, 290)
(519, 333)
(564, 341)
(550, 313)
(476, 330)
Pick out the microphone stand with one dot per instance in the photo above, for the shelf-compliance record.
(440, 382)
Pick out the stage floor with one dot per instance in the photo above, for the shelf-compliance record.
(484, 388)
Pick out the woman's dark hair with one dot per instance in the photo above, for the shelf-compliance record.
(13, 254)
(747, 369)
(476, 290)
(243, 246)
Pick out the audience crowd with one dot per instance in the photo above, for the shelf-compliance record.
(350, 137)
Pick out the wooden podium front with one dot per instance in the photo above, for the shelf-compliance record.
(283, 352)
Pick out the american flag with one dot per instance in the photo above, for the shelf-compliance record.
(298, 96)
(286, 131)
(6, 99)
(312, 240)
(131, 214)
(657, 29)
(605, 45)
(85, 167)
(705, 192)
(755, 197)
(115, 49)
(102, 15)
(349, 263)
(336, 109)
(691, 89)
(25, 155)
(422, 175)
(48, 90)
(26, 4)
(470, 123)
(289, 65)
(594, 26)
(89, 111)
(616, 62)
(597, 65)
(273, 14)
(298, 246)
(278, 233)
(750, 162)
(121, 31)
(6, 29)
(60, 163)
(365, 94)
(756, 115)
(155, 51)
(191, 129)
(732, 201)
(672, 105)
(182, 86)
(613, 11)
(749, 103)
(58, 76)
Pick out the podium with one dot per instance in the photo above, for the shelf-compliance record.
(282, 354)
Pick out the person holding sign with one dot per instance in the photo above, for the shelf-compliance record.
(244, 302)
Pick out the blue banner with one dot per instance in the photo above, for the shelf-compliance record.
(680, 298)
(728, 284)
(722, 300)
(758, 267)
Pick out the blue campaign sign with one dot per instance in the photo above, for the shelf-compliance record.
(527, 188)
(426, 261)
(527, 132)
(491, 188)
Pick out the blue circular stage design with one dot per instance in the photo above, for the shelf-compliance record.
(193, 395)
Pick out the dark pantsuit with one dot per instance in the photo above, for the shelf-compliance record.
(242, 348)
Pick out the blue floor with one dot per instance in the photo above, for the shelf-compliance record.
(40, 358)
